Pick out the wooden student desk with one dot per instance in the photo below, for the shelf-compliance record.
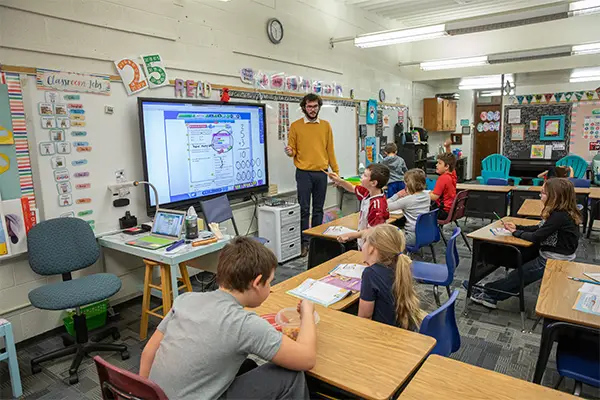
(594, 200)
(360, 356)
(484, 200)
(349, 257)
(442, 378)
(531, 208)
(324, 247)
(480, 271)
(555, 303)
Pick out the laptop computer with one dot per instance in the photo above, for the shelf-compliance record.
(166, 229)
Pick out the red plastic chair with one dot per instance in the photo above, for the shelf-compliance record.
(119, 384)
(457, 211)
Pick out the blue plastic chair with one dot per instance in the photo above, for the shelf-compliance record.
(441, 325)
(580, 183)
(439, 274)
(574, 360)
(10, 355)
(426, 233)
(499, 165)
(430, 183)
(579, 165)
(497, 182)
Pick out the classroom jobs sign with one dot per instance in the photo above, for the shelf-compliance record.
(72, 82)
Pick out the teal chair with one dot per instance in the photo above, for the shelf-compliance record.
(10, 355)
(578, 164)
(496, 166)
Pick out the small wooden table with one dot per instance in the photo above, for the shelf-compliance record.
(360, 356)
(441, 378)
(485, 235)
(324, 247)
(555, 303)
(349, 257)
(531, 208)
(484, 200)
(594, 200)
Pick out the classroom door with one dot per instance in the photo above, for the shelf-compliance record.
(487, 134)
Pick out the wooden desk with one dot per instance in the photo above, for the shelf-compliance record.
(361, 356)
(485, 200)
(485, 234)
(518, 196)
(595, 193)
(577, 190)
(555, 303)
(442, 378)
(531, 208)
(349, 257)
(324, 247)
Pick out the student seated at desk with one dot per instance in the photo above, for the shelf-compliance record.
(373, 204)
(557, 236)
(387, 293)
(416, 203)
(397, 167)
(557, 172)
(200, 345)
(444, 192)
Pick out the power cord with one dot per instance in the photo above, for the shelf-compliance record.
(255, 201)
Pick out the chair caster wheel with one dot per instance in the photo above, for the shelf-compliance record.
(36, 369)
(116, 336)
(66, 341)
(73, 379)
(125, 355)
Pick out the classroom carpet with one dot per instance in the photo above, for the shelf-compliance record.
(489, 339)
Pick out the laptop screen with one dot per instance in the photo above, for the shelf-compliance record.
(168, 223)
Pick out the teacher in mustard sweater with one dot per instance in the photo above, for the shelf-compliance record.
(310, 144)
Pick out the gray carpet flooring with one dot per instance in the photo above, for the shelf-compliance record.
(489, 339)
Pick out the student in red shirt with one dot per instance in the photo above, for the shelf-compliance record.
(373, 204)
(444, 192)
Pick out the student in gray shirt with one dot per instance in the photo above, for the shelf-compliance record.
(397, 167)
(199, 346)
(416, 203)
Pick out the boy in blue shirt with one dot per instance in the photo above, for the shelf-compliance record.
(397, 167)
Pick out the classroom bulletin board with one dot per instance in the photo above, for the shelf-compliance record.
(585, 129)
(523, 130)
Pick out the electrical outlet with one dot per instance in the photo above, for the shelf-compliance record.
(109, 110)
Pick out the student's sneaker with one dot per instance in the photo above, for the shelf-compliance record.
(480, 297)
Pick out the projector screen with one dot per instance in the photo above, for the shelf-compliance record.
(194, 150)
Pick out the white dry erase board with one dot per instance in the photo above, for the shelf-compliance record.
(114, 144)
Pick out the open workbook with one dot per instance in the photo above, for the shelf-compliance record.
(338, 230)
(319, 292)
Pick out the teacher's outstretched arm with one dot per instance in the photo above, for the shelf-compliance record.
(331, 153)
(290, 149)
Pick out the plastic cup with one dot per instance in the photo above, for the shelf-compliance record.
(289, 321)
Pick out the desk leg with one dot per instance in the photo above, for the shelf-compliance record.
(593, 216)
(472, 274)
(174, 284)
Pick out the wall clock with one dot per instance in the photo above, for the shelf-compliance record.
(381, 95)
(275, 30)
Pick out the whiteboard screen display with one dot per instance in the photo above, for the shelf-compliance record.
(199, 149)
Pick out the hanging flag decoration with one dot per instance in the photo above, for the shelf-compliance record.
(590, 95)
(578, 95)
(538, 98)
(548, 97)
(568, 96)
(520, 99)
(558, 96)
(512, 99)
(529, 98)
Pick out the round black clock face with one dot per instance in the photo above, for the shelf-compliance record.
(275, 30)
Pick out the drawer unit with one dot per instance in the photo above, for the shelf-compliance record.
(281, 226)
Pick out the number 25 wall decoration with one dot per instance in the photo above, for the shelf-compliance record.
(136, 79)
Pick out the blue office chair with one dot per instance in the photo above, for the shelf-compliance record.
(219, 210)
(577, 359)
(441, 325)
(59, 247)
(439, 274)
(497, 182)
(580, 183)
(426, 233)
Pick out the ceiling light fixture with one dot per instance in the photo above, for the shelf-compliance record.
(589, 48)
(584, 7)
(400, 36)
(454, 63)
(585, 75)
(484, 82)
(490, 93)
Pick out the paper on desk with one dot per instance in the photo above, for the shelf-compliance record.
(590, 289)
(338, 231)
(349, 270)
(319, 292)
(501, 232)
(588, 303)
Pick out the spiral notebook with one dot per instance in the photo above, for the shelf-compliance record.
(319, 292)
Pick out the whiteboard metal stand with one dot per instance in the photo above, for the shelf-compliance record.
(119, 242)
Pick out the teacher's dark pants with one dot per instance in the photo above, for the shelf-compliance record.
(311, 184)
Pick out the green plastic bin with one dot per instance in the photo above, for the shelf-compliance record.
(95, 317)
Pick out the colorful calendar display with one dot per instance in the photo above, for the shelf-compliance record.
(591, 127)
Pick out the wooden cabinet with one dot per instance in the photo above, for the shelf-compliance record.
(439, 115)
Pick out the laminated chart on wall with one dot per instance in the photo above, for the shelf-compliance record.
(10, 187)
(591, 127)
(585, 129)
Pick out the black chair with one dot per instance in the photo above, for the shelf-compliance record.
(59, 247)
(219, 210)
(495, 255)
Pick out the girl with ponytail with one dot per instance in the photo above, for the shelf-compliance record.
(388, 292)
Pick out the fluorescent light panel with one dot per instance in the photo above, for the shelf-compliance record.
(454, 63)
(484, 82)
(401, 36)
(585, 75)
(589, 48)
(584, 7)
(490, 93)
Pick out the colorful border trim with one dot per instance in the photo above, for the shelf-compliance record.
(17, 111)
